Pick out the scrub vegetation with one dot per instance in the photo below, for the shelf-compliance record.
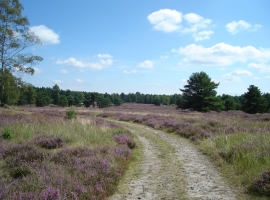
(237, 141)
(43, 156)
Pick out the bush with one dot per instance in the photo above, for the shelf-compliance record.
(70, 114)
(124, 139)
(262, 185)
(49, 143)
(7, 134)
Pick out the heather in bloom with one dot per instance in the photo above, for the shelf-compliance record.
(49, 143)
(262, 185)
(81, 165)
(3, 190)
(50, 194)
(125, 139)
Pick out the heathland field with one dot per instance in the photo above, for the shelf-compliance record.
(44, 156)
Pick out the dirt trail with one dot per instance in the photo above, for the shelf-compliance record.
(183, 168)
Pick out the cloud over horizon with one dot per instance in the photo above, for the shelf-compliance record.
(221, 54)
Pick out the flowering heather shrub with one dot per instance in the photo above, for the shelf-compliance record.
(121, 152)
(77, 173)
(3, 190)
(20, 154)
(49, 143)
(101, 122)
(262, 185)
(48, 111)
(3, 148)
(125, 139)
(21, 159)
(7, 119)
(24, 195)
(50, 194)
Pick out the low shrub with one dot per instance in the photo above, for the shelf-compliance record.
(70, 114)
(7, 133)
(261, 185)
(49, 143)
(125, 139)
(3, 190)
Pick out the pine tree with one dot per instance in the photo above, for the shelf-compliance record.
(199, 94)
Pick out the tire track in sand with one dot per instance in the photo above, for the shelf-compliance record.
(165, 179)
(159, 176)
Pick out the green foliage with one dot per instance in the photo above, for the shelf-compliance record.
(103, 102)
(229, 102)
(41, 100)
(63, 101)
(157, 101)
(7, 133)
(117, 101)
(9, 88)
(70, 114)
(15, 37)
(56, 94)
(90, 98)
(199, 94)
(254, 101)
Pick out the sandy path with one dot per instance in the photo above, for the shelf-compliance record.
(163, 178)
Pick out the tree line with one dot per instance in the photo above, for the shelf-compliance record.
(199, 95)
(43, 96)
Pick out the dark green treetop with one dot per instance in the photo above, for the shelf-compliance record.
(199, 94)
(254, 101)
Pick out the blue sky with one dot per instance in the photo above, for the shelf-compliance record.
(150, 46)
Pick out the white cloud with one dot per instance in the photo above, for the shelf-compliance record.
(235, 75)
(240, 72)
(104, 60)
(57, 81)
(37, 70)
(203, 35)
(170, 21)
(195, 23)
(234, 27)
(165, 20)
(71, 62)
(130, 72)
(79, 81)
(193, 18)
(146, 64)
(261, 66)
(46, 35)
(63, 71)
(221, 54)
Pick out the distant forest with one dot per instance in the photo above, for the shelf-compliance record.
(44, 96)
